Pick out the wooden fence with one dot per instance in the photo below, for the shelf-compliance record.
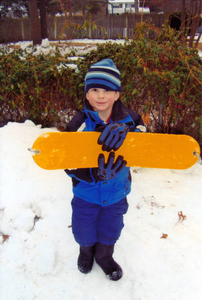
(111, 26)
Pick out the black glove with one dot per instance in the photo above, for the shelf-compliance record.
(113, 136)
(110, 169)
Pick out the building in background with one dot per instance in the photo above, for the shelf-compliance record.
(117, 7)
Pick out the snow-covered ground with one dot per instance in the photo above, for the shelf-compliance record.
(80, 46)
(159, 249)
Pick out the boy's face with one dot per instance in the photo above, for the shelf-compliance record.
(102, 100)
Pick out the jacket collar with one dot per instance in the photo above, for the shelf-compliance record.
(119, 112)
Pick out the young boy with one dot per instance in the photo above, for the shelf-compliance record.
(99, 201)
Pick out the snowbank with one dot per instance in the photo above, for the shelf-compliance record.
(159, 250)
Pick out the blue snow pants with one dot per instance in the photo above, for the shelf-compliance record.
(92, 223)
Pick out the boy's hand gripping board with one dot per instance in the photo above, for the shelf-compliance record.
(70, 150)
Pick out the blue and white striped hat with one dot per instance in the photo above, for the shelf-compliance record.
(103, 74)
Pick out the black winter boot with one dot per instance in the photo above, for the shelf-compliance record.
(86, 258)
(103, 257)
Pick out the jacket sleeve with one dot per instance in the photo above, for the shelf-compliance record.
(76, 122)
(83, 174)
(79, 174)
(139, 124)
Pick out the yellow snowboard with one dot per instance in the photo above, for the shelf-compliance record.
(69, 150)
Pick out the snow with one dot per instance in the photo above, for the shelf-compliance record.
(38, 254)
(83, 46)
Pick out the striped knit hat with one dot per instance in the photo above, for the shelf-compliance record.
(103, 74)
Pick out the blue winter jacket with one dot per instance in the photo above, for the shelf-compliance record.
(84, 185)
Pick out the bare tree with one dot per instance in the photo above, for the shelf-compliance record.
(43, 19)
(136, 3)
(193, 20)
(35, 23)
(185, 12)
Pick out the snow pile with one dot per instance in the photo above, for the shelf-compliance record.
(159, 250)
(80, 46)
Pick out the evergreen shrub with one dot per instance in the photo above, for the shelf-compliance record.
(35, 87)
